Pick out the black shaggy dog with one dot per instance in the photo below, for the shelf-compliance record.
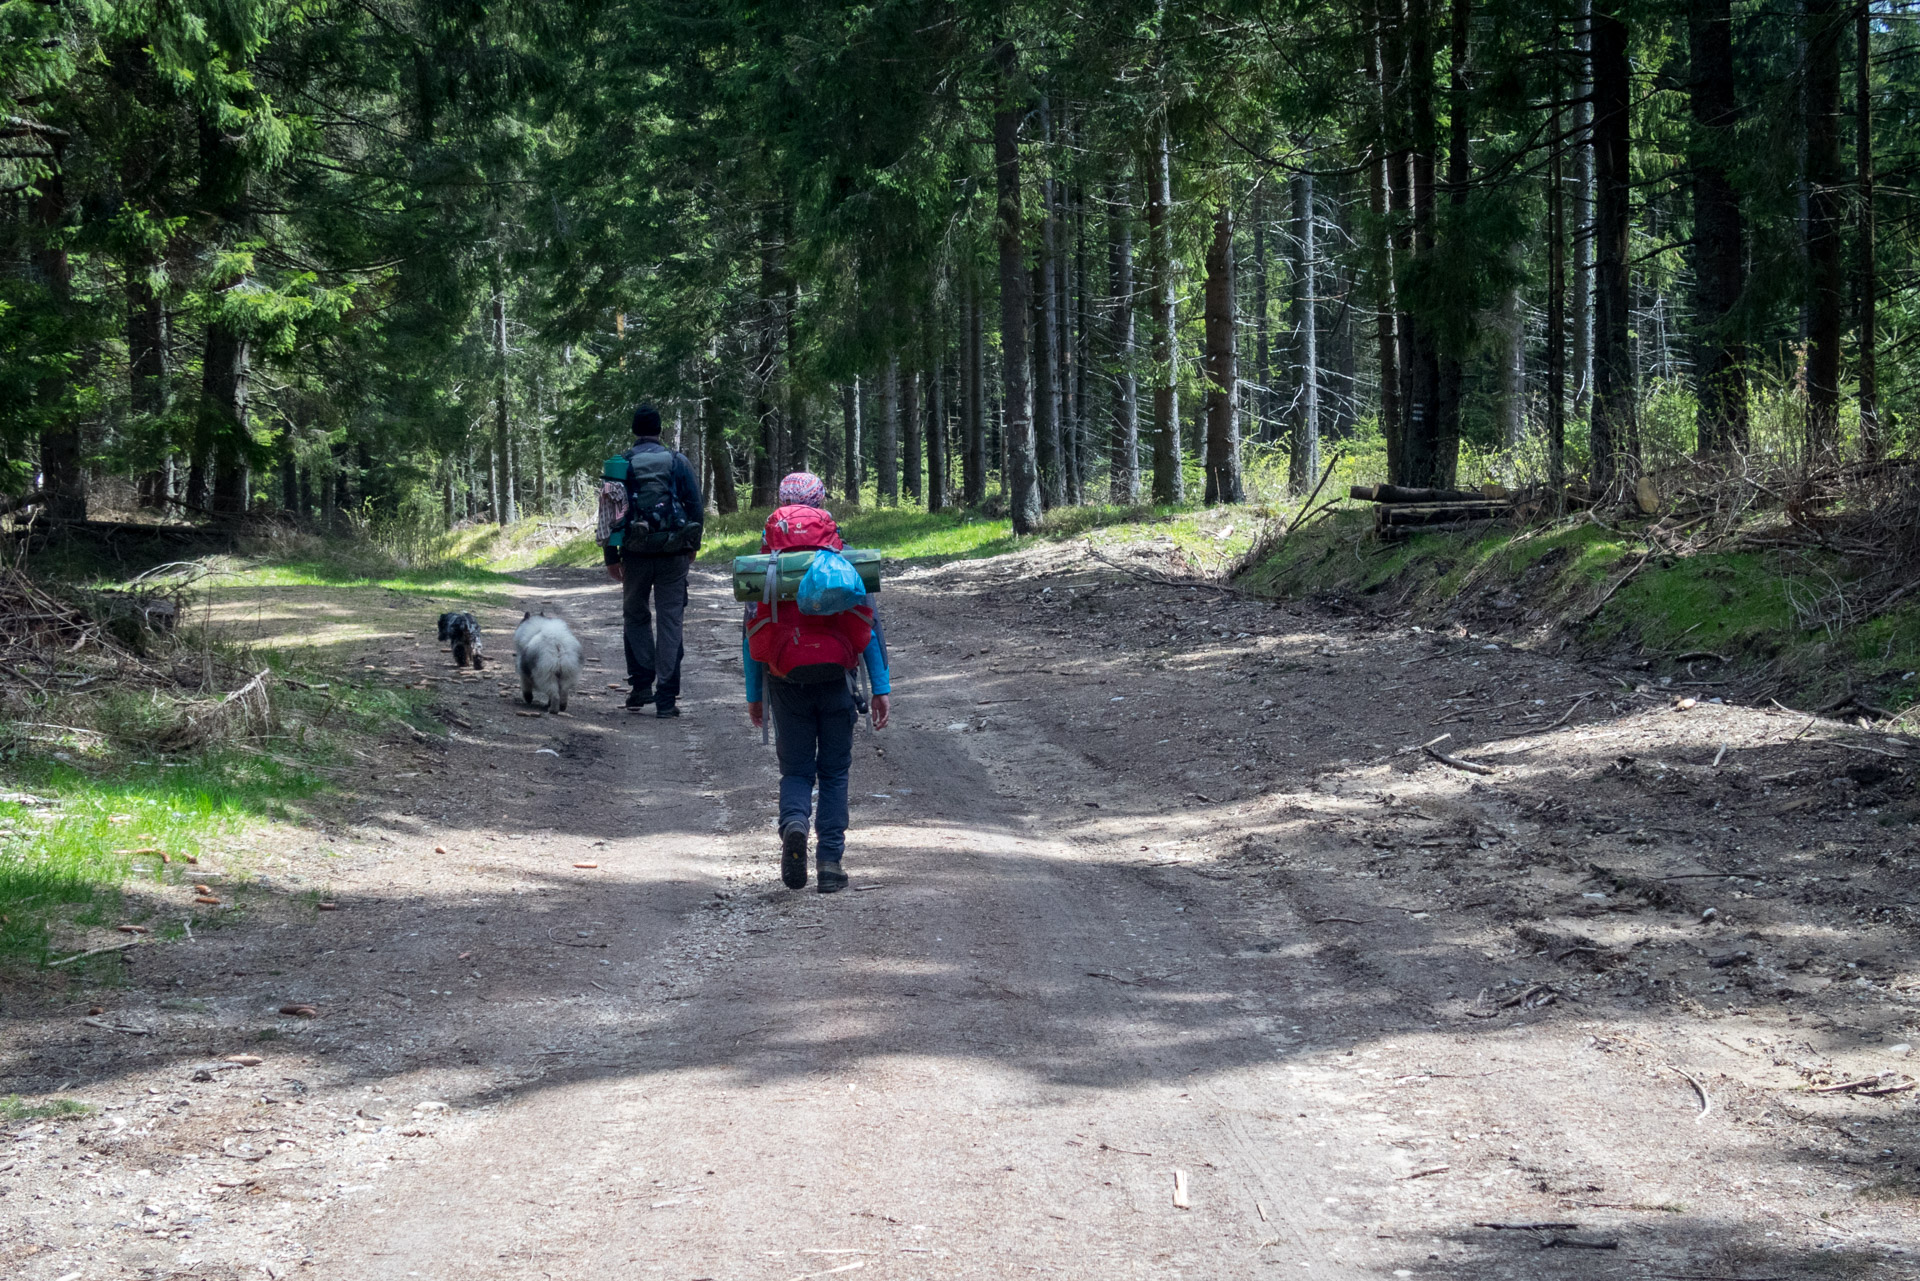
(463, 632)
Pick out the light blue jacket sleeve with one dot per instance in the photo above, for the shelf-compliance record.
(755, 669)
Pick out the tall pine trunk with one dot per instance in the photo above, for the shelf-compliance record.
(1074, 358)
(1168, 484)
(1556, 299)
(936, 488)
(507, 512)
(1719, 239)
(1826, 206)
(1450, 392)
(1303, 465)
(1016, 397)
(62, 465)
(973, 468)
(889, 450)
(1611, 432)
(1262, 399)
(850, 454)
(1866, 280)
(1378, 69)
(1123, 452)
(1580, 285)
(1223, 392)
(1420, 356)
(911, 432)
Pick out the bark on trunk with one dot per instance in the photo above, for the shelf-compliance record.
(1262, 393)
(1556, 304)
(63, 474)
(1016, 399)
(1826, 206)
(1168, 484)
(850, 453)
(1451, 391)
(1378, 69)
(1303, 464)
(1612, 430)
(1580, 286)
(1123, 463)
(1420, 357)
(936, 435)
(889, 452)
(1866, 281)
(506, 513)
(1074, 359)
(911, 432)
(1719, 254)
(1223, 393)
(973, 465)
(726, 499)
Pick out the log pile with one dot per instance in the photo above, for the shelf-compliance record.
(1402, 510)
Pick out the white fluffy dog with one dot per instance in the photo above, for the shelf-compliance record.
(549, 660)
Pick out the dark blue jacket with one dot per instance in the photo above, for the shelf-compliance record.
(686, 487)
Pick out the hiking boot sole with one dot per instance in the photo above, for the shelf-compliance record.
(793, 857)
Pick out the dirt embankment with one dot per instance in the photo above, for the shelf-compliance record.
(1154, 889)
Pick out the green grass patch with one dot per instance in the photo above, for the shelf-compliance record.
(65, 856)
(14, 1108)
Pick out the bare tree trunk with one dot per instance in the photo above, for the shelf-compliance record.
(912, 433)
(937, 425)
(1016, 398)
(1262, 399)
(1378, 68)
(1612, 430)
(1168, 484)
(889, 453)
(506, 512)
(973, 464)
(726, 499)
(1867, 282)
(147, 351)
(850, 416)
(1223, 395)
(1513, 369)
(1079, 454)
(1423, 442)
(1556, 302)
(1303, 465)
(1719, 253)
(1451, 390)
(1826, 205)
(1123, 467)
(1581, 285)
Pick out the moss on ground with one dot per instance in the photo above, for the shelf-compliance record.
(1792, 613)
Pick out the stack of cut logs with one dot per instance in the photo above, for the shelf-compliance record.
(1401, 510)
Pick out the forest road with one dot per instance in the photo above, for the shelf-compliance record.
(1006, 1050)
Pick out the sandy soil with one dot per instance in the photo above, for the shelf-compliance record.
(1153, 890)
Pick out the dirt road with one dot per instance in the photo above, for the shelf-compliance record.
(1164, 958)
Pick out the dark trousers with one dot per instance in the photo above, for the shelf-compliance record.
(654, 647)
(815, 726)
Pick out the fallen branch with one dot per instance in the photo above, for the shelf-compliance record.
(1454, 762)
(1706, 1104)
(95, 951)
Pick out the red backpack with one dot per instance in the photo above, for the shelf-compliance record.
(807, 648)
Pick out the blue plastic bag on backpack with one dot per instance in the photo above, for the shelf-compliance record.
(831, 585)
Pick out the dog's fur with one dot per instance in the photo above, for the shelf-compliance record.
(549, 659)
(462, 631)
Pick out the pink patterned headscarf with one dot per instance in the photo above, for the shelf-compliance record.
(804, 488)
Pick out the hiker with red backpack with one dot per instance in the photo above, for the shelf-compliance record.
(803, 665)
(649, 528)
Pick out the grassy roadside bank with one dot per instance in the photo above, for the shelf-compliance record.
(126, 779)
(1789, 623)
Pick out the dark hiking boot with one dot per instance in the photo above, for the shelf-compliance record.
(832, 879)
(793, 855)
(638, 699)
(667, 708)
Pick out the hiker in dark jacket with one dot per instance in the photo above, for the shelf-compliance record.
(656, 561)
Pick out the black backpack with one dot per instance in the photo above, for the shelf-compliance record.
(657, 523)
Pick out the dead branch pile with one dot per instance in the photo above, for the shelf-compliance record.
(67, 654)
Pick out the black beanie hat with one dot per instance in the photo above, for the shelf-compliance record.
(646, 420)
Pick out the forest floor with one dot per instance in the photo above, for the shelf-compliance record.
(1169, 953)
